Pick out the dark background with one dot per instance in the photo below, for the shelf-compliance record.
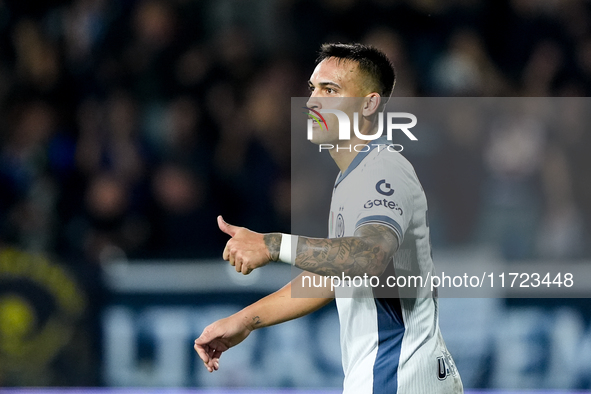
(128, 126)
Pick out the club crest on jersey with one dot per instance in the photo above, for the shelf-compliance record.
(340, 227)
(384, 188)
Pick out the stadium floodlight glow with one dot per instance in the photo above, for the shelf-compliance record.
(345, 124)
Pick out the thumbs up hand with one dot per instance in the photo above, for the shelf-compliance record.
(246, 250)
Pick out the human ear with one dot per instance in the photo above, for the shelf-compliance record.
(371, 104)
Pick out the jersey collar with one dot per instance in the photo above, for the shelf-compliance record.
(359, 158)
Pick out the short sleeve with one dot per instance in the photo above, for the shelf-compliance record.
(385, 194)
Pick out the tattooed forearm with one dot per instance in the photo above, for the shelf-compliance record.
(273, 243)
(256, 321)
(252, 323)
(368, 252)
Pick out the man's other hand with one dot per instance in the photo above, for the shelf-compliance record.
(219, 337)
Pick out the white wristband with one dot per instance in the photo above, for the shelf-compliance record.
(288, 241)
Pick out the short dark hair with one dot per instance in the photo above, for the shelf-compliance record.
(371, 60)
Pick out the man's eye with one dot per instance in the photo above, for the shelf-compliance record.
(311, 88)
(330, 90)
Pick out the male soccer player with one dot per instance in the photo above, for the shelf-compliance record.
(378, 222)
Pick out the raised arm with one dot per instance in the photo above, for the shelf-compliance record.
(368, 251)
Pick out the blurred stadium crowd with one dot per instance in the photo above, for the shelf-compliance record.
(129, 125)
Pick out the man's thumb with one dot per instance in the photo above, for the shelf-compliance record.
(203, 339)
(225, 227)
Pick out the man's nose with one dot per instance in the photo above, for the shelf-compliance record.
(313, 102)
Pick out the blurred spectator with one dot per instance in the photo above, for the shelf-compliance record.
(192, 67)
(542, 69)
(513, 159)
(37, 60)
(466, 70)
(184, 216)
(84, 28)
(561, 232)
(25, 162)
(147, 57)
(108, 228)
(459, 197)
(393, 46)
(109, 138)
